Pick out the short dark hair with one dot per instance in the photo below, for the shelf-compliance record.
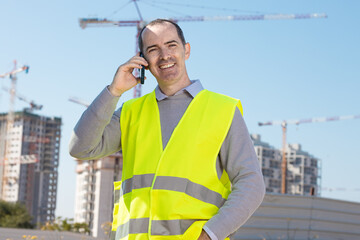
(161, 21)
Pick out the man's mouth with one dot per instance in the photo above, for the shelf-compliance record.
(167, 66)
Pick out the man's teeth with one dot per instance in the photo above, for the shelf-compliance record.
(167, 66)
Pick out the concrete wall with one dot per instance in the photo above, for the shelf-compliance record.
(302, 217)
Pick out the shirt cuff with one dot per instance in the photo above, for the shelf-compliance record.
(108, 90)
(210, 233)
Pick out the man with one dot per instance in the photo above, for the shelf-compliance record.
(189, 168)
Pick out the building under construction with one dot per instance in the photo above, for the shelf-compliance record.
(29, 160)
(303, 169)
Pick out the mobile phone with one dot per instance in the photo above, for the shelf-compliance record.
(142, 71)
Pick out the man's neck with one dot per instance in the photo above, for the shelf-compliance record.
(170, 90)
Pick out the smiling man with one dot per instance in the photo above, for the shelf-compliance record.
(189, 166)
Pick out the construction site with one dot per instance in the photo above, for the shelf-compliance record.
(29, 153)
(296, 204)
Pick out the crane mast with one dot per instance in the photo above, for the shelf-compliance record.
(13, 77)
(6, 142)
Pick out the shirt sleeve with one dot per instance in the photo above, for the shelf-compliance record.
(211, 235)
(97, 133)
(238, 157)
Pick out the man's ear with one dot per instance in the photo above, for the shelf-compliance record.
(187, 51)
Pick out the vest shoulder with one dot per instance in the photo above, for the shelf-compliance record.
(224, 99)
(219, 96)
(136, 101)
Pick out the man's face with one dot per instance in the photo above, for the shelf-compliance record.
(165, 54)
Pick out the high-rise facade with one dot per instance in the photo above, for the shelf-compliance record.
(270, 162)
(303, 175)
(29, 160)
(303, 169)
(94, 193)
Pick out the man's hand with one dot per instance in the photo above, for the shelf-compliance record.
(204, 236)
(124, 78)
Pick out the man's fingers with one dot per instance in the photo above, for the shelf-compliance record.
(138, 79)
(134, 62)
(141, 59)
(129, 67)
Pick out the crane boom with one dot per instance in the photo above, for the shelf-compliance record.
(94, 22)
(252, 17)
(11, 73)
(309, 120)
(78, 101)
(33, 105)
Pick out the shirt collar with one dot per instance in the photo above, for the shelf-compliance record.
(193, 89)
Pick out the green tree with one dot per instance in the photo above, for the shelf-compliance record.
(14, 215)
(81, 228)
(66, 224)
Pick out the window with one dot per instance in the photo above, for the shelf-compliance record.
(274, 164)
(313, 180)
(308, 170)
(268, 172)
(313, 163)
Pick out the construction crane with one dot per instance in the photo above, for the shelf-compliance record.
(284, 124)
(7, 161)
(33, 105)
(78, 101)
(13, 77)
(340, 189)
(139, 24)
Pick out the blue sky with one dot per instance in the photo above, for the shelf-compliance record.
(279, 69)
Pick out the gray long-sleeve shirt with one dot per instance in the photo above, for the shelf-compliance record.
(98, 134)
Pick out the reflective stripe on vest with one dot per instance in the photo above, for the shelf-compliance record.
(184, 185)
(159, 227)
(173, 191)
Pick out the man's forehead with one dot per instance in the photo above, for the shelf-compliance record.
(160, 30)
(160, 26)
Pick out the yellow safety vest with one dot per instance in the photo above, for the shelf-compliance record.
(171, 193)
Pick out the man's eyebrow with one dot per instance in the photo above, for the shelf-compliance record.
(155, 45)
(171, 41)
(151, 46)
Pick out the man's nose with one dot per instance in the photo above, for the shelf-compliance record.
(164, 54)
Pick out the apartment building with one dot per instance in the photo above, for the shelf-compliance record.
(303, 170)
(29, 160)
(270, 162)
(94, 193)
